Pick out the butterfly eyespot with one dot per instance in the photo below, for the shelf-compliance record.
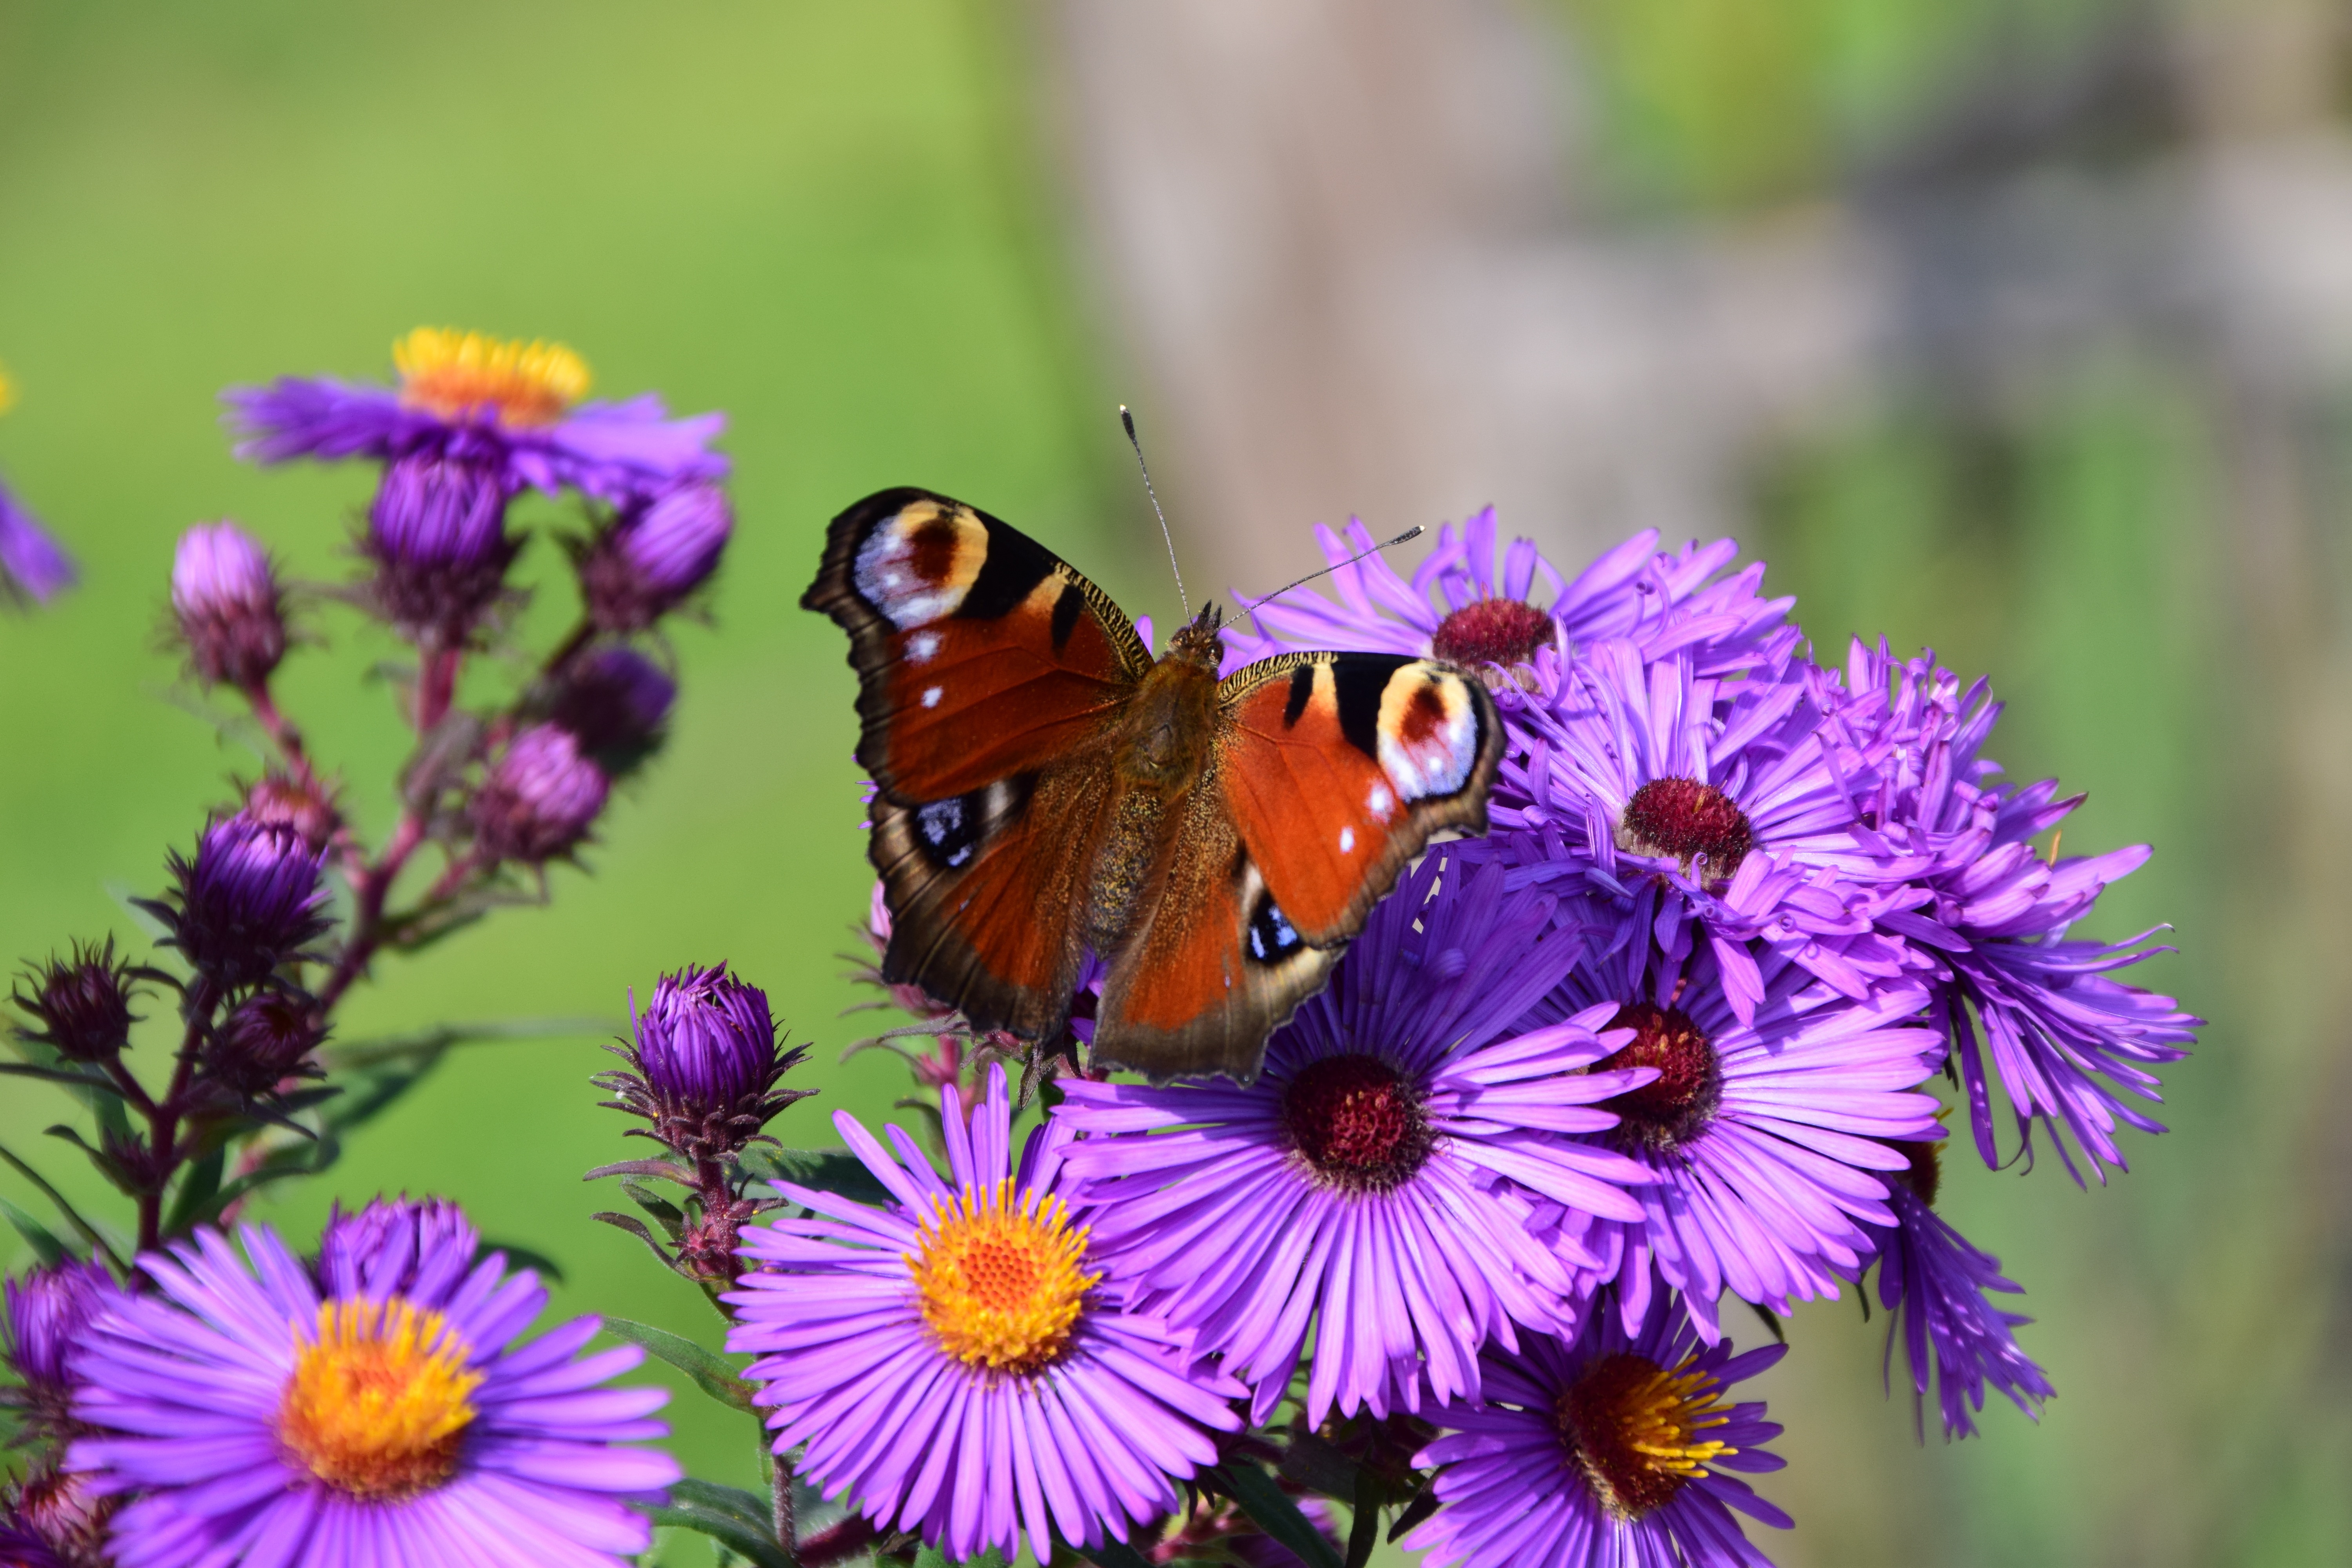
(945, 829)
(919, 566)
(1272, 938)
(1428, 733)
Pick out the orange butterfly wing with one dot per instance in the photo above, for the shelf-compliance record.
(991, 680)
(1331, 771)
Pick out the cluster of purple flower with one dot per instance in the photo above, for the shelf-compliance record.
(1662, 1038)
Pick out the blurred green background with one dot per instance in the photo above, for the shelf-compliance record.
(843, 225)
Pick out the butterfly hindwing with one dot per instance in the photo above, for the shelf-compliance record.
(990, 674)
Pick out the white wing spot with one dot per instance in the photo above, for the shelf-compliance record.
(921, 646)
(1346, 839)
(931, 697)
(1379, 802)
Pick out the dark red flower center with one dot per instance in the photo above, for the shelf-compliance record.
(1637, 1430)
(1492, 631)
(1925, 1176)
(1357, 1122)
(1689, 821)
(1675, 1107)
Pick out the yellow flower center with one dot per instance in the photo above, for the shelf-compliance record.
(456, 374)
(1633, 1428)
(7, 392)
(379, 1403)
(1001, 1280)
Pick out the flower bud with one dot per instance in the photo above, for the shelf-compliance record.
(436, 532)
(83, 1003)
(58, 1521)
(49, 1310)
(21, 1545)
(31, 563)
(396, 1246)
(658, 549)
(306, 806)
(613, 701)
(267, 1040)
(540, 798)
(247, 902)
(704, 1064)
(228, 606)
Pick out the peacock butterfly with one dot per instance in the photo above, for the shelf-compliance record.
(1045, 789)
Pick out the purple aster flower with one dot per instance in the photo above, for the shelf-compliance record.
(1372, 1182)
(247, 903)
(540, 798)
(52, 1521)
(257, 1419)
(614, 700)
(513, 405)
(1608, 1450)
(32, 565)
(21, 1546)
(265, 1041)
(657, 550)
(1934, 1284)
(228, 605)
(1726, 793)
(704, 1066)
(81, 1004)
(49, 1311)
(961, 1363)
(2067, 1043)
(1761, 1136)
(396, 1246)
(437, 535)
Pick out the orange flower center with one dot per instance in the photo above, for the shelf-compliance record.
(1632, 1427)
(462, 375)
(378, 1405)
(1001, 1280)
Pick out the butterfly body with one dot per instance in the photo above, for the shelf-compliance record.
(1046, 791)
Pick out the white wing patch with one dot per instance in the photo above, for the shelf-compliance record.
(1347, 840)
(916, 567)
(1428, 732)
(932, 696)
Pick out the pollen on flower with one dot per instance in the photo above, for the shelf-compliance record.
(1633, 1428)
(1675, 1107)
(1001, 1280)
(1925, 1175)
(1356, 1121)
(1687, 820)
(378, 1405)
(455, 374)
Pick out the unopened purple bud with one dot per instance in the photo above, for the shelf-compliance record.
(83, 1003)
(396, 1246)
(267, 1040)
(31, 563)
(307, 808)
(540, 798)
(49, 1310)
(247, 902)
(614, 700)
(657, 552)
(21, 1545)
(705, 1060)
(436, 532)
(228, 605)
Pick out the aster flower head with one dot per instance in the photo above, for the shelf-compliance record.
(32, 565)
(961, 1363)
(228, 606)
(395, 1246)
(540, 798)
(21, 1545)
(657, 550)
(267, 1039)
(52, 1521)
(615, 701)
(2071, 1047)
(252, 1415)
(514, 405)
(49, 1309)
(81, 1004)
(1934, 1285)
(1376, 1181)
(436, 536)
(1611, 1448)
(704, 1064)
(249, 901)
(1763, 1138)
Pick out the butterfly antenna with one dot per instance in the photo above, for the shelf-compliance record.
(1127, 420)
(1416, 531)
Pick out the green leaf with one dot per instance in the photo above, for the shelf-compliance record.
(635, 1228)
(1365, 1533)
(46, 1246)
(1275, 1514)
(828, 1171)
(733, 1502)
(728, 1531)
(198, 1186)
(931, 1557)
(66, 1211)
(77, 1078)
(1114, 1555)
(108, 1165)
(522, 1257)
(664, 1213)
(714, 1376)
